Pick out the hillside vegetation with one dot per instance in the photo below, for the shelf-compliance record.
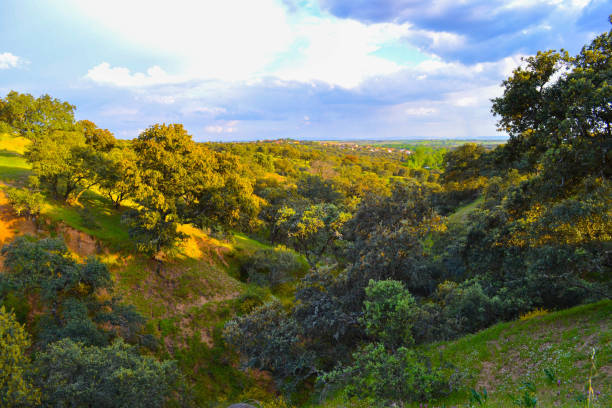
(163, 272)
(551, 350)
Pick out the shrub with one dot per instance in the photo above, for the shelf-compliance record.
(272, 267)
(389, 378)
(25, 202)
(71, 374)
(15, 387)
(389, 310)
(467, 308)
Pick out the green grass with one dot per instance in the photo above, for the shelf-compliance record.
(461, 214)
(96, 217)
(509, 354)
(506, 355)
(13, 144)
(243, 242)
(503, 357)
(13, 167)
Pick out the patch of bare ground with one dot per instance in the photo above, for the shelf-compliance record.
(79, 242)
(12, 225)
(487, 374)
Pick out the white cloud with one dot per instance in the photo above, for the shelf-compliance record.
(8, 60)
(502, 67)
(161, 99)
(339, 52)
(120, 76)
(245, 40)
(476, 96)
(229, 39)
(214, 110)
(229, 127)
(420, 111)
(564, 4)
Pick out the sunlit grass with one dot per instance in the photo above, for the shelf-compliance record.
(13, 144)
(461, 214)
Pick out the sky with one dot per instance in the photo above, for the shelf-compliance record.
(234, 70)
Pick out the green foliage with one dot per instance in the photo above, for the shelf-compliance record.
(479, 397)
(63, 162)
(466, 307)
(389, 310)
(183, 182)
(152, 231)
(560, 124)
(272, 267)
(270, 341)
(100, 139)
(120, 177)
(68, 294)
(16, 388)
(389, 378)
(70, 374)
(314, 230)
(34, 118)
(526, 397)
(386, 238)
(25, 202)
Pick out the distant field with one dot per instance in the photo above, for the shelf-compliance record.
(450, 143)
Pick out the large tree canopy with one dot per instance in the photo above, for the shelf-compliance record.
(35, 117)
(185, 182)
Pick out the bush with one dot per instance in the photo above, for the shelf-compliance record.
(25, 202)
(272, 267)
(389, 310)
(467, 308)
(389, 378)
(15, 386)
(71, 374)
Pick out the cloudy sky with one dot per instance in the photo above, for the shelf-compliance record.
(305, 69)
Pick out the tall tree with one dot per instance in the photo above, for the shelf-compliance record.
(100, 139)
(62, 161)
(173, 170)
(32, 117)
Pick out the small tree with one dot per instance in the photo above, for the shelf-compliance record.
(64, 163)
(389, 378)
(25, 202)
(120, 177)
(314, 230)
(388, 313)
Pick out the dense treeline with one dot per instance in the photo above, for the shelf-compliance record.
(374, 253)
(403, 274)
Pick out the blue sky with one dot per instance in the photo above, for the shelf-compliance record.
(305, 69)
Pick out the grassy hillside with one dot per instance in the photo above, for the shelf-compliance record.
(198, 289)
(502, 358)
(186, 302)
